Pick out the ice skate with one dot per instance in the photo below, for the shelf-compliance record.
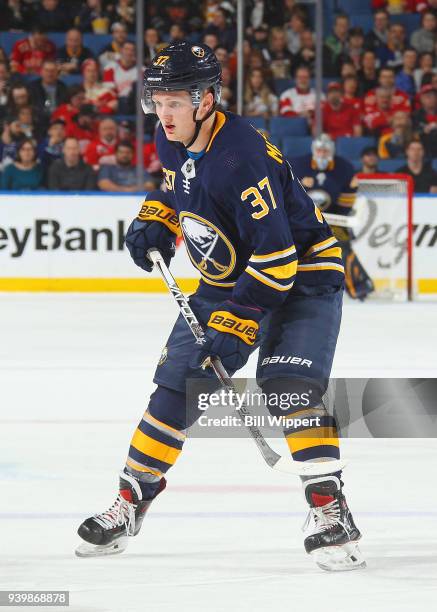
(108, 533)
(334, 540)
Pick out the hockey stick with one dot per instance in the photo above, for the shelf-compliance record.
(275, 461)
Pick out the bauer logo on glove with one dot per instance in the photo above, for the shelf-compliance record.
(227, 322)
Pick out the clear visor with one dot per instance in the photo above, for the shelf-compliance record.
(148, 104)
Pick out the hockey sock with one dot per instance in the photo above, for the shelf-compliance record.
(157, 441)
(310, 432)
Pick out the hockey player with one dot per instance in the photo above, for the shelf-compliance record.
(330, 181)
(271, 276)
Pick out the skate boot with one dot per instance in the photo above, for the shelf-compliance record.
(334, 540)
(107, 533)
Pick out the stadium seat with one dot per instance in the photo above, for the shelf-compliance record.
(434, 163)
(365, 22)
(354, 7)
(96, 42)
(350, 147)
(258, 122)
(280, 85)
(391, 165)
(411, 21)
(72, 79)
(8, 40)
(296, 146)
(288, 126)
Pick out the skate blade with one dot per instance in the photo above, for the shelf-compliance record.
(343, 558)
(92, 550)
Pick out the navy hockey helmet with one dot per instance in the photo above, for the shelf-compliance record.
(182, 66)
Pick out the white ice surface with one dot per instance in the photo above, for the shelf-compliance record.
(75, 374)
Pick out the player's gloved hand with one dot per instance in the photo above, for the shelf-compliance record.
(156, 226)
(231, 333)
(144, 235)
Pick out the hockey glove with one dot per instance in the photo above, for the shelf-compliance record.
(231, 334)
(156, 227)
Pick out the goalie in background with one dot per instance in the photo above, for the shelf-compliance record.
(330, 181)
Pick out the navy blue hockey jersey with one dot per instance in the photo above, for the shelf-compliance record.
(333, 189)
(248, 225)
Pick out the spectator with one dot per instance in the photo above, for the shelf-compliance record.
(51, 15)
(48, 92)
(398, 100)
(19, 97)
(15, 15)
(425, 178)
(424, 39)
(125, 13)
(337, 41)
(391, 53)
(27, 123)
(121, 176)
(71, 173)
(259, 100)
(222, 56)
(74, 98)
(4, 91)
(93, 18)
(51, 148)
(355, 46)
(226, 34)
(425, 119)
(307, 55)
(103, 145)
(227, 99)
(367, 75)
(299, 100)
(212, 40)
(339, 117)
(404, 79)
(393, 143)
(28, 54)
(377, 37)
(426, 66)
(121, 75)
(83, 126)
(260, 38)
(279, 57)
(350, 93)
(25, 173)
(293, 32)
(151, 42)
(101, 95)
(378, 115)
(176, 33)
(347, 69)
(369, 160)
(71, 56)
(12, 135)
(111, 52)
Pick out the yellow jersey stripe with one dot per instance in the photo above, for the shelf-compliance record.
(320, 266)
(220, 121)
(267, 281)
(274, 255)
(319, 246)
(158, 450)
(334, 252)
(285, 271)
(319, 436)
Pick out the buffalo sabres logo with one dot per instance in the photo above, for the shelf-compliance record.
(321, 198)
(198, 51)
(208, 248)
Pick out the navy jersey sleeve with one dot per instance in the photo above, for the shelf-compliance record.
(349, 184)
(255, 195)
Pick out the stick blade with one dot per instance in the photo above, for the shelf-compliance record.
(308, 468)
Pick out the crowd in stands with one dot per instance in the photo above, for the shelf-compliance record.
(68, 80)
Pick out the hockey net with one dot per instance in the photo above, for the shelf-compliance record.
(383, 228)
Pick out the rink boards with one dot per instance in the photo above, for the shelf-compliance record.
(57, 242)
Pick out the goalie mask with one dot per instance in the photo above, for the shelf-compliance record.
(183, 67)
(323, 150)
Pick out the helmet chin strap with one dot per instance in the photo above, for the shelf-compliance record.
(198, 125)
